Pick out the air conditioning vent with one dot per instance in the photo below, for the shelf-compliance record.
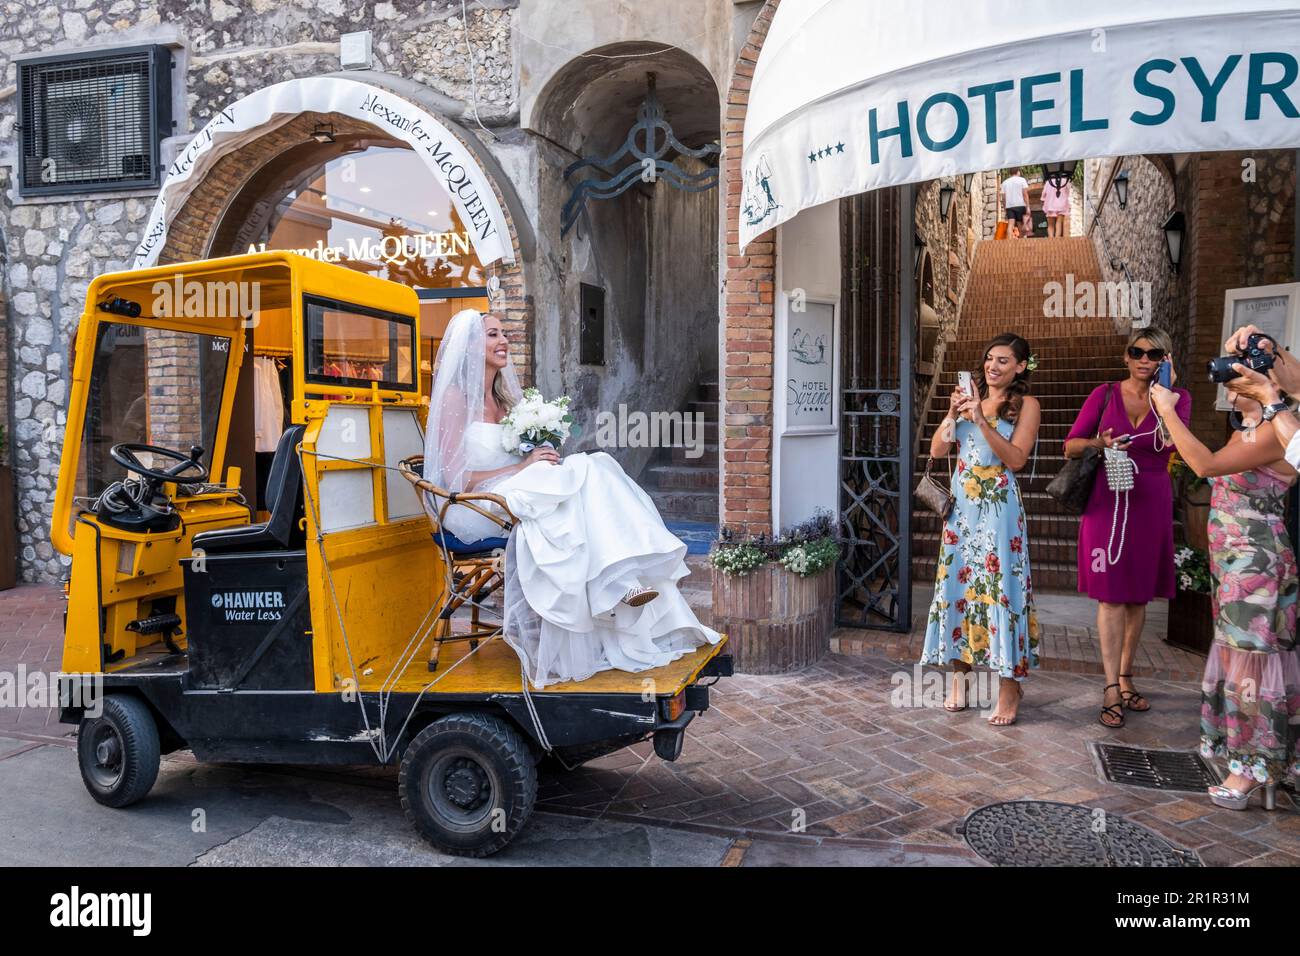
(92, 122)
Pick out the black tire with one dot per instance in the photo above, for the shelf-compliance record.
(118, 751)
(468, 783)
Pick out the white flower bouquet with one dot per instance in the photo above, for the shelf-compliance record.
(535, 422)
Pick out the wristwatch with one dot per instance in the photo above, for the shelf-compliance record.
(1272, 411)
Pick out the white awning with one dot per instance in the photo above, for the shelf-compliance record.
(851, 95)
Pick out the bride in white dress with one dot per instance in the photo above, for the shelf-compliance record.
(591, 571)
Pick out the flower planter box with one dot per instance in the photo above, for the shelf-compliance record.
(776, 622)
(8, 530)
(1191, 622)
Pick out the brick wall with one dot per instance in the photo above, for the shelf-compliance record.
(749, 289)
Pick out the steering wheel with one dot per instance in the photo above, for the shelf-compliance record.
(124, 453)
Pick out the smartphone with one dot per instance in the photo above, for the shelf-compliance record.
(1122, 440)
(1164, 374)
(964, 383)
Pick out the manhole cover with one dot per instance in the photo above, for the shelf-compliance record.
(1038, 833)
(1180, 770)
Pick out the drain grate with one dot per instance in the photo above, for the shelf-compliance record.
(1177, 770)
(1040, 833)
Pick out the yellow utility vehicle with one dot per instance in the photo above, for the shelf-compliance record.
(254, 579)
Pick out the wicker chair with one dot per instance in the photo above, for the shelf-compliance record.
(475, 570)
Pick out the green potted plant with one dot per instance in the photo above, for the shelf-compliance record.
(1191, 615)
(775, 596)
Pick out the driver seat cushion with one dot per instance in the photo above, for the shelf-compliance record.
(281, 531)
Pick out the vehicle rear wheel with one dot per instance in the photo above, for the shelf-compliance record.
(468, 783)
(118, 751)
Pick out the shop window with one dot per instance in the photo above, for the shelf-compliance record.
(351, 345)
(93, 121)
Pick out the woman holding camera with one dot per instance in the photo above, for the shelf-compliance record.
(1250, 695)
(1126, 540)
(983, 608)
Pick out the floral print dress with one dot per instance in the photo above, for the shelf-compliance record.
(1250, 695)
(983, 608)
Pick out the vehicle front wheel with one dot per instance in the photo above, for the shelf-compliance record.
(118, 751)
(468, 783)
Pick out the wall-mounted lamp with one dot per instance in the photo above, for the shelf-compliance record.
(1121, 189)
(969, 177)
(1175, 227)
(1058, 174)
(945, 200)
(323, 133)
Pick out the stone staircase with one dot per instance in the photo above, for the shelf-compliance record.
(1005, 294)
(683, 488)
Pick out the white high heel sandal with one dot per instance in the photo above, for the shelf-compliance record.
(635, 597)
(1232, 799)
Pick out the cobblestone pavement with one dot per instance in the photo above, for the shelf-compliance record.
(828, 754)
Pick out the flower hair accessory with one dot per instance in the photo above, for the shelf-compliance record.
(1032, 364)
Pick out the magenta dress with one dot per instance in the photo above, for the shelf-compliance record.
(1144, 566)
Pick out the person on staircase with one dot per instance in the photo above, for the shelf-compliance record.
(1015, 201)
(983, 609)
(1126, 538)
(1056, 206)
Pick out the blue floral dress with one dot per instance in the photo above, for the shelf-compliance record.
(983, 608)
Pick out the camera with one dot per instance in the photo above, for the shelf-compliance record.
(1253, 356)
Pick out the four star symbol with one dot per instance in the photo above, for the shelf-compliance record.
(825, 151)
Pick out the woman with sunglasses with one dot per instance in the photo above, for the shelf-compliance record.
(1126, 541)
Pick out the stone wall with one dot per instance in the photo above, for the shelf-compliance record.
(1130, 243)
(948, 246)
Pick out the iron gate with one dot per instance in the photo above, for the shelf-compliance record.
(876, 417)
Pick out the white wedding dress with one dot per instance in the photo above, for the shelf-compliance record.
(586, 534)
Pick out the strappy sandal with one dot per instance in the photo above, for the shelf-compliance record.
(958, 677)
(1116, 710)
(997, 721)
(1130, 696)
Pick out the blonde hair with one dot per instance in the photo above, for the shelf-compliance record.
(1157, 337)
(499, 392)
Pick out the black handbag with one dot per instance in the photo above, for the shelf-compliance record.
(933, 495)
(1072, 486)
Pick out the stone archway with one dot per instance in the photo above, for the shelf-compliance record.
(648, 252)
(191, 231)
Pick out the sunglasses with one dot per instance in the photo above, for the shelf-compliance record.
(1155, 355)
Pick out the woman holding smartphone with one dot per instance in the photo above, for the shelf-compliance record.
(1126, 540)
(983, 608)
